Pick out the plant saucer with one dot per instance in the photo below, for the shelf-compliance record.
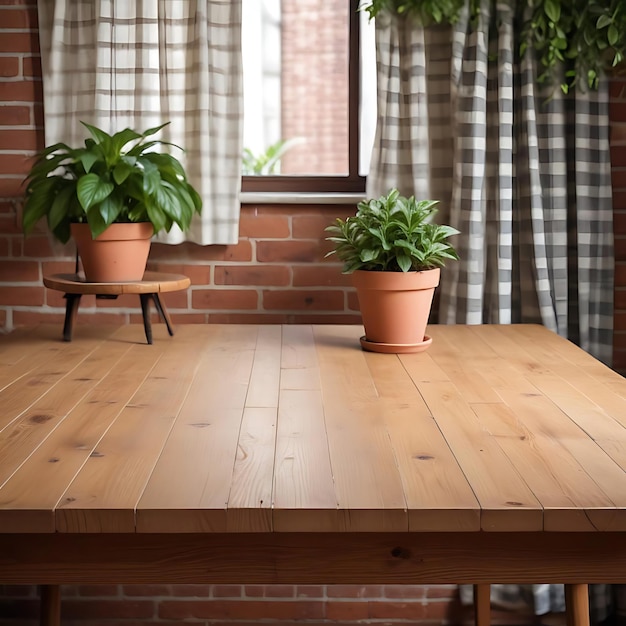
(396, 348)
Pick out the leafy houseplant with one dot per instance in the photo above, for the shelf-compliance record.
(575, 39)
(394, 252)
(113, 179)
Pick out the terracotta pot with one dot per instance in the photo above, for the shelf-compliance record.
(395, 307)
(118, 255)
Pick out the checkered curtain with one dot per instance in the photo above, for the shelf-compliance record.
(118, 64)
(522, 171)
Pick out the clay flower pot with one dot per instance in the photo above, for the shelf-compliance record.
(118, 255)
(395, 307)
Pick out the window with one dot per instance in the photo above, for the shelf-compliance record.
(309, 111)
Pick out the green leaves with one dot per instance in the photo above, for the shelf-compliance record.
(113, 178)
(588, 35)
(392, 233)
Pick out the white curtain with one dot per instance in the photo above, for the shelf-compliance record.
(120, 63)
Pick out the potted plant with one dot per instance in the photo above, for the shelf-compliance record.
(113, 190)
(394, 252)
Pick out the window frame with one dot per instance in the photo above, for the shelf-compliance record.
(353, 182)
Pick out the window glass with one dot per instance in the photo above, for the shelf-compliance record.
(297, 89)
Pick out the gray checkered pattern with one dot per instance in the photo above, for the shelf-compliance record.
(524, 176)
(118, 64)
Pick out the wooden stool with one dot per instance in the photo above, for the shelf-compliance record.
(148, 290)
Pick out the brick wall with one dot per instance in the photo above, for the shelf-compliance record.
(276, 273)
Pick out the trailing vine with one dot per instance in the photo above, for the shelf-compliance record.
(576, 41)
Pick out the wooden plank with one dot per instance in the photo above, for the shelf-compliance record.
(249, 507)
(438, 496)
(103, 496)
(506, 501)
(189, 488)
(538, 452)
(367, 480)
(265, 377)
(27, 504)
(25, 433)
(58, 364)
(461, 371)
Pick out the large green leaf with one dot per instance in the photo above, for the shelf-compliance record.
(61, 206)
(92, 190)
(37, 202)
(122, 171)
(111, 207)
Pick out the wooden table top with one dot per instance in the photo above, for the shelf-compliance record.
(244, 428)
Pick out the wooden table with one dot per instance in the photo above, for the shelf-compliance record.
(269, 454)
(148, 290)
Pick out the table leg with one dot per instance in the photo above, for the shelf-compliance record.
(50, 605)
(482, 605)
(577, 605)
(71, 309)
(165, 316)
(145, 311)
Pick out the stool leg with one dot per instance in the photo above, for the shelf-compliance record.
(482, 605)
(71, 309)
(50, 605)
(145, 311)
(577, 605)
(165, 316)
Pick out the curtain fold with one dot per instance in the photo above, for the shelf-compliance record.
(521, 170)
(118, 64)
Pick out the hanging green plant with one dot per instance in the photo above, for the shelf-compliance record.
(578, 40)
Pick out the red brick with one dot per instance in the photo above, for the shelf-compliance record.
(4, 247)
(162, 266)
(309, 591)
(19, 18)
(98, 590)
(442, 591)
(19, 42)
(618, 155)
(263, 226)
(19, 271)
(289, 251)
(620, 248)
(19, 609)
(439, 610)
(100, 609)
(397, 610)
(227, 591)
(31, 67)
(15, 164)
(9, 66)
(325, 318)
(40, 246)
(11, 187)
(618, 177)
(354, 591)
(38, 115)
(9, 225)
(146, 590)
(347, 611)
(271, 275)
(58, 266)
(236, 609)
(258, 317)
(404, 591)
(192, 591)
(617, 133)
(21, 91)
(617, 111)
(224, 299)
(320, 276)
(313, 226)
(21, 140)
(619, 200)
(21, 296)
(352, 301)
(14, 116)
(297, 300)
(187, 251)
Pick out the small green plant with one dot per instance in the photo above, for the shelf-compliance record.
(575, 39)
(108, 181)
(392, 233)
(267, 162)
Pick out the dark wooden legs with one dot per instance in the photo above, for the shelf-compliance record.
(50, 605)
(161, 310)
(71, 309)
(73, 300)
